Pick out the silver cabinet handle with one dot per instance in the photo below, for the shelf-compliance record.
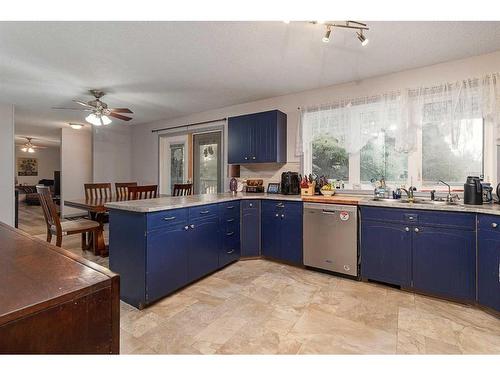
(229, 233)
(169, 218)
(192, 226)
(204, 212)
(246, 157)
(407, 229)
(410, 217)
(417, 230)
(230, 207)
(280, 205)
(253, 157)
(250, 205)
(186, 227)
(230, 220)
(494, 225)
(282, 216)
(329, 212)
(230, 251)
(277, 215)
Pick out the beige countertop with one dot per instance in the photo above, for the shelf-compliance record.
(168, 203)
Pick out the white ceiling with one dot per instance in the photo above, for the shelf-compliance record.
(168, 69)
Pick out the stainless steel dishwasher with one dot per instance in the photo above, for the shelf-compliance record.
(331, 237)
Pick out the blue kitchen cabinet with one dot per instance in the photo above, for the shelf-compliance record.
(257, 138)
(250, 228)
(167, 260)
(488, 261)
(282, 231)
(444, 262)
(386, 252)
(230, 233)
(204, 245)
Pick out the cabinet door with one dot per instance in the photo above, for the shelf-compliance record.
(167, 261)
(250, 229)
(386, 252)
(291, 233)
(488, 269)
(271, 229)
(444, 262)
(240, 145)
(265, 137)
(204, 245)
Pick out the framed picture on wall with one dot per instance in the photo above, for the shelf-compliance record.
(27, 167)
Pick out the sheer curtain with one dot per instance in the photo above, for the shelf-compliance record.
(354, 121)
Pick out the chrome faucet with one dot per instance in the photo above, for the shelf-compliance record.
(449, 197)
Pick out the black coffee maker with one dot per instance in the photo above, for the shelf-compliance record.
(473, 191)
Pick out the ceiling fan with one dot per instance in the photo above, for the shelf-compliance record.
(29, 146)
(100, 113)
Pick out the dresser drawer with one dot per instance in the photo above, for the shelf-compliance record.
(161, 219)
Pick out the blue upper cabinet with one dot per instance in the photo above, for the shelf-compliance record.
(257, 138)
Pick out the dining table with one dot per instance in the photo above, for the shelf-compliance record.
(97, 211)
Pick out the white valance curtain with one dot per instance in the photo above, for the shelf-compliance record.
(353, 122)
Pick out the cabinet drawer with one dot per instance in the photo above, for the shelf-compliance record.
(489, 222)
(167, 218)
(420, 217)
(250, 204)
(229, 209)
(201, 212)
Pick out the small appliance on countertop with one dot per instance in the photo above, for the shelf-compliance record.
(255, 186)
(487, 192)
(290, 183)
(473, 191)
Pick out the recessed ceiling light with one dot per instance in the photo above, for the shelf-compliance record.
(76, 126)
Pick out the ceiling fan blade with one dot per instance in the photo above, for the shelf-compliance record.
(73, 109)
(82, 103)
(120, 110)
(121, 117)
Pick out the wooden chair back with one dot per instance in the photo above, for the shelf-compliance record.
(121, 188)
(97, 191)
(142, 192)
(182, 189)
(49, 208)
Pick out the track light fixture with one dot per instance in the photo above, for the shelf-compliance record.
(326, 38)
(353, 25)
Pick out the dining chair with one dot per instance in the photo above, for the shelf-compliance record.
(62, 228)
(142, 192)
(182, 189)
(121, 189)
(97, 191)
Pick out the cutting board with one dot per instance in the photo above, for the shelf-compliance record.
(336, 199)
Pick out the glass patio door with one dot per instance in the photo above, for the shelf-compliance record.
(207, 163)
(174, 161)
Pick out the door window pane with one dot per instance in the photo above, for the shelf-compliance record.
(380, 159)
(207, 163)
(176, 165)
(452, 153)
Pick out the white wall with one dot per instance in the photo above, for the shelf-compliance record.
(76, 165)
(145, 143)
(49, 160)
(7, 164)
(112, 155)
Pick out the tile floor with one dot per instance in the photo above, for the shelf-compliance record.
(263, 307)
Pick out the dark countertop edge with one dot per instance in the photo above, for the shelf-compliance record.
(489, 209)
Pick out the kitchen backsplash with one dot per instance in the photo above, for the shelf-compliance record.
(268, 172)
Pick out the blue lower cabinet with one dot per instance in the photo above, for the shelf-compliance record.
(167, 260)
(444, 262)
(386, 252)
(282, 231)
(204, 245)
(250, 228)
(488, 262)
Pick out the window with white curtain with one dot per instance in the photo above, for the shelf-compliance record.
(418, 136)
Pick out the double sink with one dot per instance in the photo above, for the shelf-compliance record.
(418, 201)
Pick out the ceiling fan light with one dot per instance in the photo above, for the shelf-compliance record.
(105, 120)
(93, 119)
(363, 39)
(76, 126)
(31, 150)
(24, 149)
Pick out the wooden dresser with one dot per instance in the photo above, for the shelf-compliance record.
(53, 301)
